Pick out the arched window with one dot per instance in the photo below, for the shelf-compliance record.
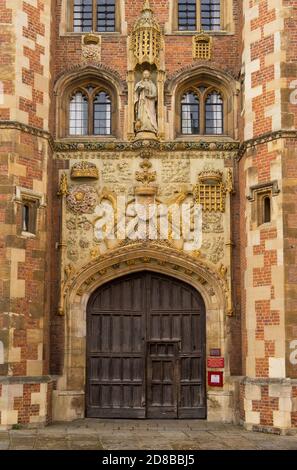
(78, 114)
(102, 114)
(214, 114)
(190, 119)
(201, 111)
(90, 112)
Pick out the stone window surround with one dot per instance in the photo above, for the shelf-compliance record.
(257, 195)
(169, 27)
(202, 97)
(23, 195)
(212, 84)
(79, 83)
(227, 20)
(66, 20)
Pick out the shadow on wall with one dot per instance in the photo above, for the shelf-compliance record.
(1, 353)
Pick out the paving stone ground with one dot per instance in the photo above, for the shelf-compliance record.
(91, 434)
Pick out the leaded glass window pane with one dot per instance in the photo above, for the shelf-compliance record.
(211, 15)
(187, 15)
(106, 15)
(190, 114)
(214, 114)
(82, 15)
(78, 114)
(102, 114)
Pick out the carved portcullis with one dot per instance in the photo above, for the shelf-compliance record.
(211, 191)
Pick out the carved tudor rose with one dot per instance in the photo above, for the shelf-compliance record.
(82, 199)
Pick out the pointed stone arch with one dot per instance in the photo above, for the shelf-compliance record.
(211, 76)
(127, 259)
(76, 76)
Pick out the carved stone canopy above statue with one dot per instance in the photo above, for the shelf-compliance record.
(146, 38)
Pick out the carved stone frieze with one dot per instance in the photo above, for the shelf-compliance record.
(126, 146)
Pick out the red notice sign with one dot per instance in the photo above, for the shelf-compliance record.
(215, 363)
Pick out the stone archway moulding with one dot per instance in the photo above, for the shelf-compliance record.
(126, 259)
(155, 257)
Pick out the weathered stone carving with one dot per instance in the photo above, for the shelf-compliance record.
(145, 176)
(84, 170)
(84, 243)
(175, 171)
(73, 254)
(212, 222)
(91, 47)
(118, 171)
(63, 186)
(82, 199)
(214, 248)
(84, 149)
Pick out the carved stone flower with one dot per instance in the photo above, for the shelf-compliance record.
(82, 199)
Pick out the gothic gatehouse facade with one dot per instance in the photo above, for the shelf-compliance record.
(148, 211)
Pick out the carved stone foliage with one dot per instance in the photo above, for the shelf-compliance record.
(145, 176)
(82, 199)
(78, 223)
(200, 145)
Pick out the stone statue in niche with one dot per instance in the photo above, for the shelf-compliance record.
(145, 104)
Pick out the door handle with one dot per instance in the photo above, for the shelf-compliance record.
(143, 403)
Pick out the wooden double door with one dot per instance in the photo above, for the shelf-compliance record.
(146, 349)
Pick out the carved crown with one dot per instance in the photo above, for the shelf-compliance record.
(91, 39)
(84, 170)
(210, 177)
